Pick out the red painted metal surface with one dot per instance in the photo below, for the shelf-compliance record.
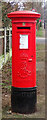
(23, 48)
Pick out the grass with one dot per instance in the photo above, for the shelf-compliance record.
(39, 33)
(40, 55)
(40, 46)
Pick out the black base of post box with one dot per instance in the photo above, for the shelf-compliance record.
(23, 100)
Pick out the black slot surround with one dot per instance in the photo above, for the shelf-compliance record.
(23, 28)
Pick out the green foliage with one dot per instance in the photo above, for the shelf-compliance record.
(38, 20)
(40, 24)
(6, 8)
(8, 87)
(39, 33)
(2, 84)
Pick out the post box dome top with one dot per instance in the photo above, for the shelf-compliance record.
(23, 14)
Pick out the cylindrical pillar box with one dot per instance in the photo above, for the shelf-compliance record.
(23, 93)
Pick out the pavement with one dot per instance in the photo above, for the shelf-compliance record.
(40, 40)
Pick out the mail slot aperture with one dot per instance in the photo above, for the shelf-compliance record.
(23, 28)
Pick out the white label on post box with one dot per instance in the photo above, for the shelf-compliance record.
(23, 42)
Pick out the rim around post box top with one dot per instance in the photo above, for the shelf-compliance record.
(24, 14)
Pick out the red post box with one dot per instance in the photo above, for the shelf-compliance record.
(23, 93)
